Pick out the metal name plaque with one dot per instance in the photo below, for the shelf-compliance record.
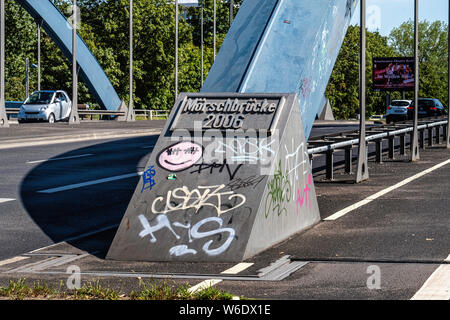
(207, 111)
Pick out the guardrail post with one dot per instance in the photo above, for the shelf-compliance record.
(391, 147)
(438, 134)
(379, 151)
(348, 159)
(422, 139)
(430, 136)
(330, 164)
(402, 144)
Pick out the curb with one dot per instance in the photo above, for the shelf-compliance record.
(51, 140)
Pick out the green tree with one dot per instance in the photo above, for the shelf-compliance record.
(433, 46)
(343, 87)
(104, 28)
(20, 43)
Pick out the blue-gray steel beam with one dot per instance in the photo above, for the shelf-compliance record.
(279, 46)
(57, 27)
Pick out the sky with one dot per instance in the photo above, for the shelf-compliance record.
(384, 15)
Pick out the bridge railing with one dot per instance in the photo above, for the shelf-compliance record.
(346, 141)
(101, 114)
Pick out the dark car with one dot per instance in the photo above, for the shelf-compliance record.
(428, 107)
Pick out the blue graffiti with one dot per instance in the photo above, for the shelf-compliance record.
(148, 176)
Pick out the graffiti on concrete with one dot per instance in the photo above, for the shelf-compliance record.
(217, 167)
(296, 164)
(248, 150)
(148, 179)
(194, 234)
(180, 156)
(303, 195)
(202, 196)
(240, 183)
(279, 192)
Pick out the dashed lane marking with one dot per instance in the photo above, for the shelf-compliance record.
(62, 158)
(90, 183)
(3, 200)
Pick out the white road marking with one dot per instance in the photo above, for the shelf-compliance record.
(3, 200)
(381, 193)
(89, 183)
(12, 260)
(212, 282)
(448, 259)
(63, 158)
(437, 286)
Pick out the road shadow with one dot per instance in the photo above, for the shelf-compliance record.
(77, 212)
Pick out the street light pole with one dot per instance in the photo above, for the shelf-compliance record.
(214, 29)
(201, 40)
(27, 78)
(362, 169)
(231, 11)
(176, 49)
(130, 111)
(3, 117)
(415, 139)
(448, 104)
(74, 119)
(38, 24)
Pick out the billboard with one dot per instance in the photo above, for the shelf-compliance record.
(393, 74)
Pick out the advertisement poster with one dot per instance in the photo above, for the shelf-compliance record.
(393, 74)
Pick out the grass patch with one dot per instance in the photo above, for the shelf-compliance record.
(152, 290)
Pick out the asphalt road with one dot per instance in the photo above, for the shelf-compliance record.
(52, 193)
(35, 219)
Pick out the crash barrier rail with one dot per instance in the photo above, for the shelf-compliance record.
(152, 114)
(327, 145)
(102, 114)
(12, 111)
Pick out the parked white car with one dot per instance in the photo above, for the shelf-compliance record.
(46, 105)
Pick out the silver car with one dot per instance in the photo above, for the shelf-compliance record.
(398, 110)
(46, 105)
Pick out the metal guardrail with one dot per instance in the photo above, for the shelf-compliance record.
(149, 114)
(329, 144)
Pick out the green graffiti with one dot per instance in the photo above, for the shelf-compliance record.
(279, 192)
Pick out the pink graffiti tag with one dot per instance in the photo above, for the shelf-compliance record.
(180, 156)
(305, 87)
(303, 196)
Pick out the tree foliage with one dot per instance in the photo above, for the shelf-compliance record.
(433, 50)
(105, 29)
(343, 87)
